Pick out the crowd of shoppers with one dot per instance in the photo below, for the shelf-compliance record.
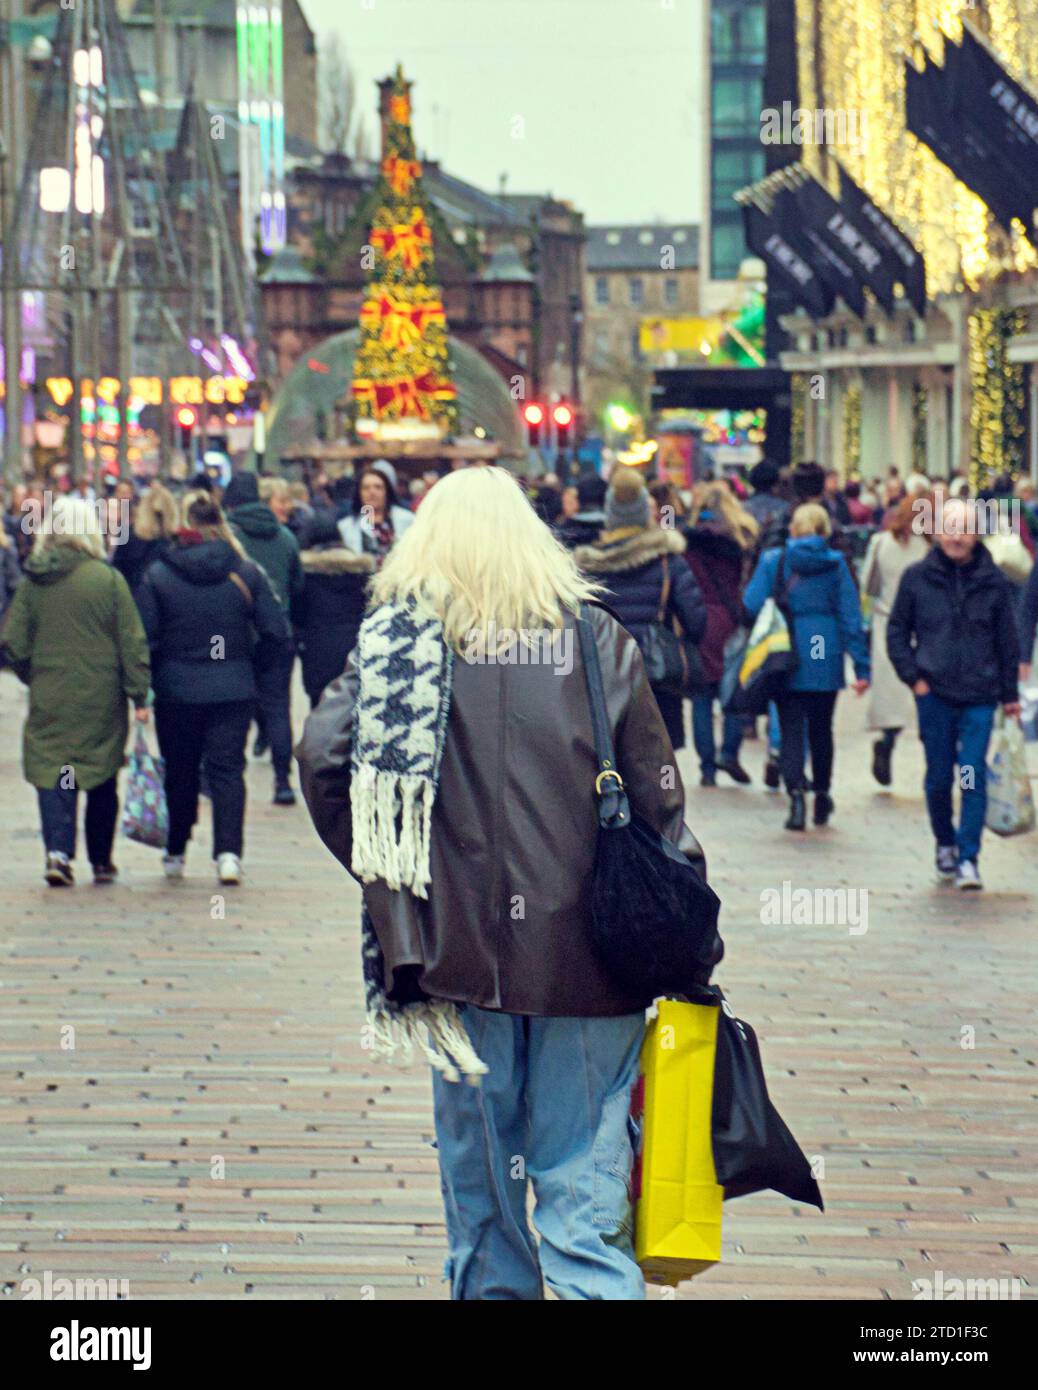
(272, 570)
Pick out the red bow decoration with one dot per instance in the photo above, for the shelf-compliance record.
(406, 240)
(401, 174)
(402, 324)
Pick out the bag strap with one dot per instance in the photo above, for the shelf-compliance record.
(665, 591)
(613, 809)
(243, 588)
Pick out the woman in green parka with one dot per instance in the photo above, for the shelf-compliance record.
(74, 636)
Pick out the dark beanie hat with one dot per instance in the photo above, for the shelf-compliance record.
(808, 480)
(242, 489)
(627, 501)
(591, 492)
(764, 476)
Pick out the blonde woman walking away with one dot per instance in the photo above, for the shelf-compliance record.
(73, 635)
(720, 540)
(491, 767)
(154, 525)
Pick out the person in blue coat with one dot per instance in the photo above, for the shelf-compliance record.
(819, 595)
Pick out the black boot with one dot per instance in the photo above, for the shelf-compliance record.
(882, 753)
(797, 819)
(771, 773)
(824, 807)
(735, 771)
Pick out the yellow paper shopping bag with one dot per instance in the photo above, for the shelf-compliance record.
(678, 1202)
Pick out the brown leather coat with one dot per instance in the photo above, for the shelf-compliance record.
(507, 922)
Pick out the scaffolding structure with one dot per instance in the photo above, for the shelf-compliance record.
(131, 251)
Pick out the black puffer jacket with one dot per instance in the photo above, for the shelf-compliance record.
(954, 626)
(135, 555)
(202, 630)
(632, 570)
(330, 610)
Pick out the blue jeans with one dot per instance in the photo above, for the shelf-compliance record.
(703, 732)
(955, 734)
(552, 1108)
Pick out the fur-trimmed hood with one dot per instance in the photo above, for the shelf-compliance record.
(336, 559)
(631, 553)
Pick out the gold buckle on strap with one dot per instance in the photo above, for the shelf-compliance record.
(608, 773)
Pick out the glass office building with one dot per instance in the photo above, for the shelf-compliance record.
(736, 155)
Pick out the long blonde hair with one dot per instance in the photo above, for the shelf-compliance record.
(157, 516)
(202, 513)
(737, 522)
(75, 524)
(479, 558)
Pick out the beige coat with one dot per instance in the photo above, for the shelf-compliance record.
(891, 704)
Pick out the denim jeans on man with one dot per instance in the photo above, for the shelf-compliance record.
(273, 708)
(955, 734)
(553, 1108)
(58, 820)
(703, 731)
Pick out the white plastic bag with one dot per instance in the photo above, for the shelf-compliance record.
(1010, 803)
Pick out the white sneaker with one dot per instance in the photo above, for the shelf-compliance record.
(968, 876)
(947, 862)
(173, 867)
(228, 868)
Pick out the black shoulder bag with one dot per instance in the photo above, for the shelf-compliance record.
(672, 662)
(654, 918)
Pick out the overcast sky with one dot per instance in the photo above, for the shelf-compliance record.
(595, 101)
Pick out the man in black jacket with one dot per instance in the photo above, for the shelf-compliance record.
(952, 637)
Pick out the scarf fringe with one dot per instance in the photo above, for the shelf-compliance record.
(392, 828)
(435, 1030)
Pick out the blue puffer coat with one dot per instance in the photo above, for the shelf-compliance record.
(631, 569)
(823, 601)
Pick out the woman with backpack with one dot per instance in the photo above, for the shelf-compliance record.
(813, 587)
(212, 618)
(720, 538)
(645, 579)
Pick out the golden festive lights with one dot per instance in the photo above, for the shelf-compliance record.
(851, 58)
(997, 403)
(852, 428)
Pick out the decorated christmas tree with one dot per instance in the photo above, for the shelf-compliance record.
(401, 370)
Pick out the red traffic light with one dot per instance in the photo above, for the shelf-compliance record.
(533, 414)
(563, 416)
(186, 417)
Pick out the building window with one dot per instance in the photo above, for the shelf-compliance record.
(601, 289)
(727, 248)
(636, 289)
(733, 169)
(737, 33)
(670, 291)
(636, 346)
(736, 104)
